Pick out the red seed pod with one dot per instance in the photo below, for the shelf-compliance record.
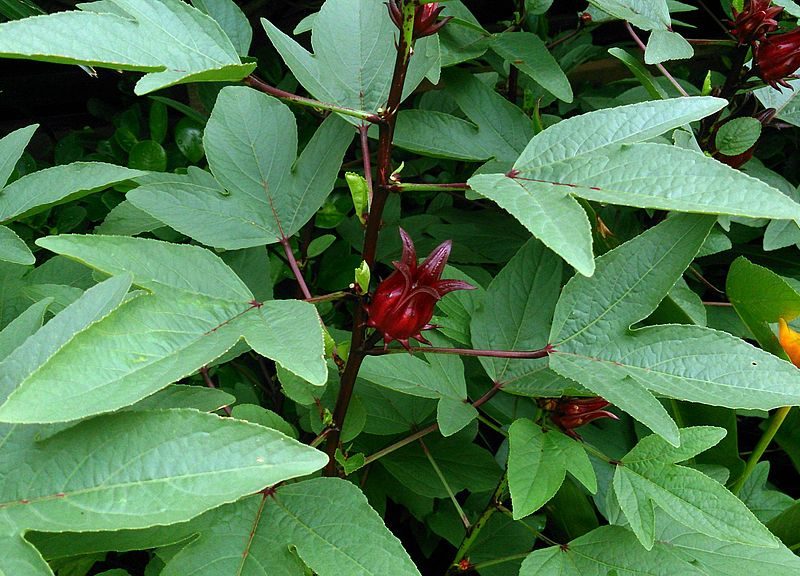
(569, 413)
(403, 304)
(755, 21)
(426, 21)
(778, 57)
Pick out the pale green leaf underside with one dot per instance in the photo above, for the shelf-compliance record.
(589, 133)
(170, 39)
(549, 212)
(136, 470)
(251, 145)
(685, 494)
(353, 44)
(154, 264)
(13, 249)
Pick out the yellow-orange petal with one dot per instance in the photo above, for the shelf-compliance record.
(790, 341)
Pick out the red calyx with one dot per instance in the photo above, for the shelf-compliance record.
(752, 24)
(403, 304)
(426, 21)
(778, 57)
(569, 413)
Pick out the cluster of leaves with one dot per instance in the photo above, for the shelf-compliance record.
(181, 325)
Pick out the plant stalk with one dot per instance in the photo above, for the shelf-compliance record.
(766, 438)
(260, 85)
(380, 194)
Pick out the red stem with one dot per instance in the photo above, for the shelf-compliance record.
(525, 354)
(295, 268)
(381, 193)
(362, 132)
(661, 68)
(260, 85)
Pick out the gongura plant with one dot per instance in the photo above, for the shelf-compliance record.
(221, 354)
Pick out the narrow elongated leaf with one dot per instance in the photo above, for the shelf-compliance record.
(549, 212)
(135, 470)
(649, 475)
(517, 312)
(155, 265)
(629, 282)
(250, 142)
(23, 326)
(538, 461)
(152, 340)
(590, 133)
(354, 51)
(12, 146)
(528, 52)
(170, 39)
(595, 346)
(41, 190)
(13, 248)
(649, 175)
(760, 297)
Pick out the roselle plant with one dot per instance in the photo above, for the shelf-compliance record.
(221, 354)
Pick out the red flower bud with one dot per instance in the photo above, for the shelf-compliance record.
(425, 18)
(752, 24)
(569, 413)
(403, 303)
(778, 57)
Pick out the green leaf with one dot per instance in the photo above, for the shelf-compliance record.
(760, 297)
(629, 282)
(538, 461)
(548, 211)
(354, 53)
(785, 102)
(156, 339)
(496, 128)
(13, 248)
(11, 148)
(169, 39)
(594, 346)
(648, 175)
(650, 476)
(232, 21)
(264, 417)
(188, 397)
(516, 315)
(607, 550)
(666, 45)
(155, 265)
(528, 52)
(643, 75)
(463, 464)
(737, 136)
(40, 190)
(589, 134)
(651, 15)
(323, 523)
(147, 155)
(441, 377)
(189, 139)
(13, 335)
(147, 468)
(250, 142)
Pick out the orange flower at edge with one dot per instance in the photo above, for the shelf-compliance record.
(790, 341)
